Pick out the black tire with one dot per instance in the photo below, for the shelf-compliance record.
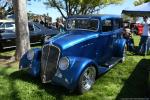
(1, 48)
(87, 79)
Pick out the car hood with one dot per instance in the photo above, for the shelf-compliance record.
(69, 39)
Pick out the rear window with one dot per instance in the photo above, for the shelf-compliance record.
(106, 25)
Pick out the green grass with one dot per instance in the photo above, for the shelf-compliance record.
(125, 80)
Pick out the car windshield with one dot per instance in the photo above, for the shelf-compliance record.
(83, 24)
(10, 24)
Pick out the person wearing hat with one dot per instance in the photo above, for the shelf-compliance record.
(143, 45)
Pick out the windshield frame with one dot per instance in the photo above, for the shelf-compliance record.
(83, 29)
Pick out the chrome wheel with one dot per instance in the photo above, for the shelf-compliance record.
(87, 79)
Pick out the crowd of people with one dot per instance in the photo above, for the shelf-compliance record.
(59, 24)
(144, 44)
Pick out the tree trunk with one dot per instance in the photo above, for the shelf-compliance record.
(22, 31)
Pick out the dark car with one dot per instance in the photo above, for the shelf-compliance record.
(36, 30)
(91, 46)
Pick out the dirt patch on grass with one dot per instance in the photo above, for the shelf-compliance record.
(8, 62)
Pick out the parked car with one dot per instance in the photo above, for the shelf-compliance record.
(36, 30)
(91, 46)
(7, 26)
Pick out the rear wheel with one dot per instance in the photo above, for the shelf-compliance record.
(124, 54)
(86, 79)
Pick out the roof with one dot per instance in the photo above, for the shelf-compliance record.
(141, 10)
(96, 16)
(4, 20)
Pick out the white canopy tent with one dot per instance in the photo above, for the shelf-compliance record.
(141, 10)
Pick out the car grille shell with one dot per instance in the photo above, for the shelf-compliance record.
(49, 62)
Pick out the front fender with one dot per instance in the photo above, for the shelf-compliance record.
(34, 65)
(77, 65)
(119, 47)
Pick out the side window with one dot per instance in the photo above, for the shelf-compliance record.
(9, 25)
(36, 28)
(117, 23)
(107, 25)
(121, 23)
(33, 28)
(2, 26)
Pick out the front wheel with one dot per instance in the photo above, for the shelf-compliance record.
(86, 79)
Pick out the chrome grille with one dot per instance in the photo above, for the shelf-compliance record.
(49, 61)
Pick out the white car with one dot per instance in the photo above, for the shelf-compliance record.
(7, 25)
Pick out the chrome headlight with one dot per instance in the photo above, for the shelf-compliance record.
(63, 63)
(30, 54)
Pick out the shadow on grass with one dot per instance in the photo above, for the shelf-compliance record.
(136, 86)
(13, 48)
(5, 57)
(57, 91)
(6, 50)
(3, 70)
(5, 54)
(13, 89)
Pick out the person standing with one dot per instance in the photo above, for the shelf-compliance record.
(143, 45)
(60, 25)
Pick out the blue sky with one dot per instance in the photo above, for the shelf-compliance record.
(39, 8)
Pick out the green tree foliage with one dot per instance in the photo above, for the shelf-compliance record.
(139, 2)
(6, 8)
(78, 7)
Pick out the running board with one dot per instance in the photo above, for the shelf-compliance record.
(110, 63)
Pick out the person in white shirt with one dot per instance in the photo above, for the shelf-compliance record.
(143, 45)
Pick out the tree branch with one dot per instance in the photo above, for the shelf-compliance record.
(58, 8)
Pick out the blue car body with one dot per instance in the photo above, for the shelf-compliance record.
(102, 48)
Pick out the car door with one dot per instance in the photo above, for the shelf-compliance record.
(8, 36)
(104, 42)
(35, 33)
(118, 27)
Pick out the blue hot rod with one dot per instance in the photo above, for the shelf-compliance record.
(90, 46)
